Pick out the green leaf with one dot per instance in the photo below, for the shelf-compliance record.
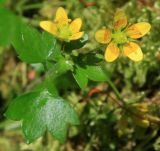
(32, 46)
(60, 68)
(80, 77)
(41, 111)
(49, 84)
(76, 44)
(7, 26)
(96, 73)
(52, 45)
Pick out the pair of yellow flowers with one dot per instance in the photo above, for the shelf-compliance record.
(118, 39)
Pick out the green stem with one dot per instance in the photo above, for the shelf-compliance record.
(117, 93)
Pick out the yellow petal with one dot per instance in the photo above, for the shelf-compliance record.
(120, 19)
(112, 52)
(103, 36)
(133, 51)
(76, 36)
(61, 16)
(75, 25)
(138, 30)
(49, 27)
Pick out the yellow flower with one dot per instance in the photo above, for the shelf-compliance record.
(62, 27)
(118, 39)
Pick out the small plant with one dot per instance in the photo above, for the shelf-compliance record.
(43, 109)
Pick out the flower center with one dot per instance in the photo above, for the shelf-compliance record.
(64, 32)
(120, 37)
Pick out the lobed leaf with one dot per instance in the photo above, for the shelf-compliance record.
(41, 111)
(32, 46)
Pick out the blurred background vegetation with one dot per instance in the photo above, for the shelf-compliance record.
(104, 126)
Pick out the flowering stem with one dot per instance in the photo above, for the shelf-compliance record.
(117, 93)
